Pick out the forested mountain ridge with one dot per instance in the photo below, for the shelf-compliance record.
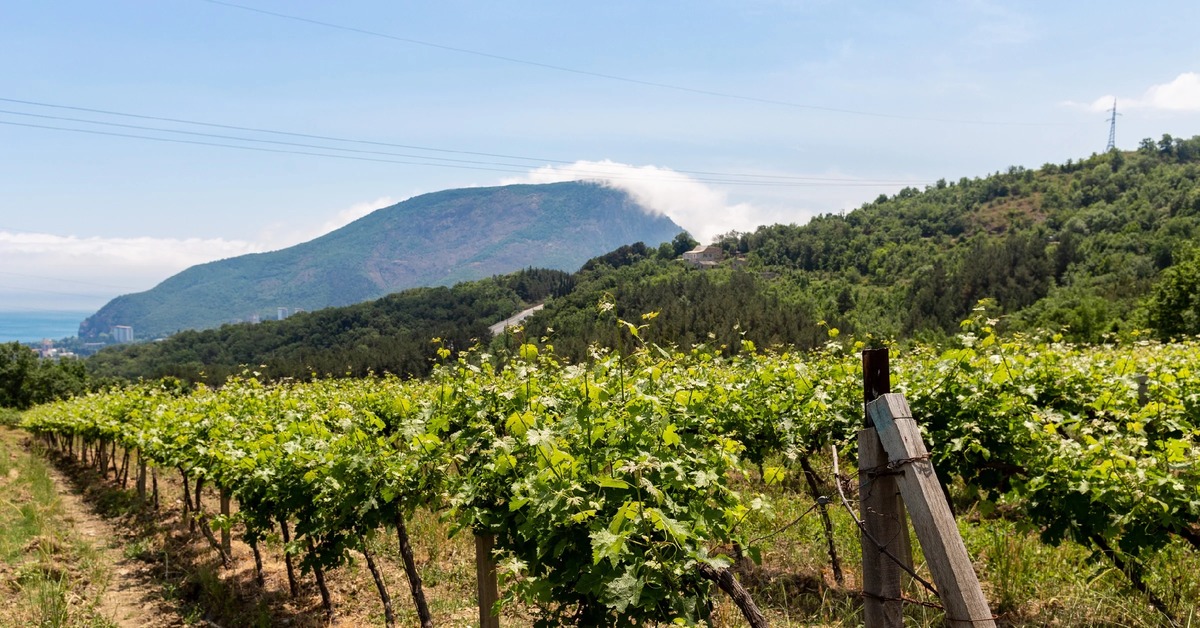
(392, 334)
(435, 239)
(1103, 245)
(1078, 248)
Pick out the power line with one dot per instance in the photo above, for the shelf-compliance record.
(624, 79)
(390, 154)
(331, 138)
(271, 131)
(574, 172)
(246, 139)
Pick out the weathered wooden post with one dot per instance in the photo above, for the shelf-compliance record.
(879, 509)
(226, 533)
(958, 586)
(485, 579)
(141, 478)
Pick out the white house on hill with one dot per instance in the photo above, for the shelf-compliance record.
(703, 256)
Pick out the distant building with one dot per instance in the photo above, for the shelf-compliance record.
(281, 313)
(254, 319)
(122, 333)
(48, 351)
(704, 256)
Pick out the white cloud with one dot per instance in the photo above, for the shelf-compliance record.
(281, 235)
(44, 270)
(1181, 94)
(703, 209)
(42, 267)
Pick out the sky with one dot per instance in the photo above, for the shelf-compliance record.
(138, 138)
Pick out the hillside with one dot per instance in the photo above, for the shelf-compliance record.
(391, 334)
(435, 239)
(1087, 248)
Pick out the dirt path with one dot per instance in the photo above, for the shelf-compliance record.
(132, 598)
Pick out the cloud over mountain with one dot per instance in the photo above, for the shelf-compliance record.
(695, 204)
(1181, 94)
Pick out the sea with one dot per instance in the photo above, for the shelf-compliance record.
(34, 325)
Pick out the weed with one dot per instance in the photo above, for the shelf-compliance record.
(138, 549)
(57, 576)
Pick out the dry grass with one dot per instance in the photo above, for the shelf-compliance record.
(49, 576)
(1002, 214)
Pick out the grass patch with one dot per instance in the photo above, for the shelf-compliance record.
(54, 577)
(1027, 582)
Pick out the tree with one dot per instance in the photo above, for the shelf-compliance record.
(1175, 302)
(1166, 145)
(683, 243)
(27, 380)
(17, 365)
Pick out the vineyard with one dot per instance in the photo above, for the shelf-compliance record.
(631, 487)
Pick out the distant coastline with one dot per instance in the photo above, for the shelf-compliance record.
(35, 325)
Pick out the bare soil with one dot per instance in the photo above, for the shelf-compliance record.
(133, 597)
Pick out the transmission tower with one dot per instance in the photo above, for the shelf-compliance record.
(1112, 128)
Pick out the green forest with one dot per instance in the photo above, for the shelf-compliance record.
(1090, 249)
(1101, 246)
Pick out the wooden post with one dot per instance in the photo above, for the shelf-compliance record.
(877, 378)
(226, 536)
(879, 509)
(141, 477)
(485, 578)
(958, 586)
(1143, 391)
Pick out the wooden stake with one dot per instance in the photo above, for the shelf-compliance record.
(140, 483)
(187, 501)
(878, 507)
(124, 473)
(485, 579)
(944, 551)
(226, 537)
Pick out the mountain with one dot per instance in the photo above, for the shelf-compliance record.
(1102, 246)
(435, 239)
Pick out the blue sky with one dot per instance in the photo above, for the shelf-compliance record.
(828, 103)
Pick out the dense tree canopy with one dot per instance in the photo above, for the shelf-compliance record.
(26, 379)
(1086, 248)
(1175, 304)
